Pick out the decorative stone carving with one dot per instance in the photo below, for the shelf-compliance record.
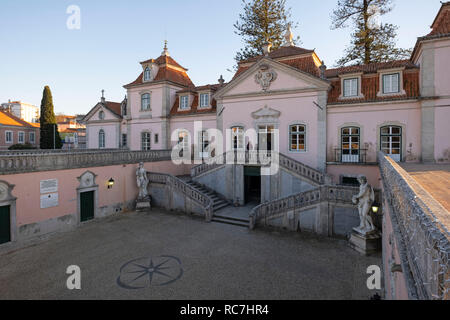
(87, 180)
(266, 112)
(365, 239)
(265, 76)
(288, 37)
(364, 200)
(6, 191)
(143, 201)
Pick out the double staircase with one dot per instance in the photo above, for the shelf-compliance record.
(220, 207)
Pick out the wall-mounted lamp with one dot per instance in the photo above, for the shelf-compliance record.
(110, 183)
(375, 208)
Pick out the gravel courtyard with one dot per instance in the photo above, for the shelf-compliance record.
(169, 256)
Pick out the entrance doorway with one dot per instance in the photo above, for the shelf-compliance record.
(252, 181)
(87, 206)
(5, 224)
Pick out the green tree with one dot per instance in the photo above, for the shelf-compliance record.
(372, 41)
(262, 21)
(49, 137)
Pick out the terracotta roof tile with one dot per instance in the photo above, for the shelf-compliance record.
(441, 24)
(281, 52)
(194, 108)
(114, 107)
(9, 119)
(166, 73)
(370, 68)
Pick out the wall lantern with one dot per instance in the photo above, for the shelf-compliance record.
(375, 208)
(110, 183)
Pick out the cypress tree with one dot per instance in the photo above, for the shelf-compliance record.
(372, 41)
(262, 21)
(49, 138)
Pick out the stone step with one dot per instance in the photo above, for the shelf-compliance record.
(230, 222)
(221, 206)
(247, 221)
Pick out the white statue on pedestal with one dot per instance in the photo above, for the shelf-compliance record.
(142, 181)
(364, 200)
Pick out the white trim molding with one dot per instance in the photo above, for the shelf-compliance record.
(349, 76)
(401, 90)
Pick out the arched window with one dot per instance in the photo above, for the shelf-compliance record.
(147, 74)
(297, 134)
(350, 144)
(237, 138)
(101, 115)
(391, 142)
(145, 102)
(101, 139)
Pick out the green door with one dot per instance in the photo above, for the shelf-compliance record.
(5, 225)
(87, 206)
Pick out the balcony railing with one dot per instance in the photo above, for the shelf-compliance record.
(350, 156)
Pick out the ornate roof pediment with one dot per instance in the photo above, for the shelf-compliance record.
(266, 112)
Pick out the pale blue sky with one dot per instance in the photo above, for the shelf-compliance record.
(37, 49)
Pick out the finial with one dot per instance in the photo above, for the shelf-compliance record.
(103, 95)
(288, 37)
(322, 68)
(266, 47)
(221, 80)
(166, 51)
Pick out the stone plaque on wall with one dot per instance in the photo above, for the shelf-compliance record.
(48, 186)
(49, 200)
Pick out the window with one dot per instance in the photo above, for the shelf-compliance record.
(21, 137)
(183, 140)
(391, 83)
(203, 143)
(184, 102)
(351, 87)
(350, 141)
(297, 135)
(237, 138)
(124, 140)
(124, 109)
(32, 137)
(204, 100)
(9, 137)
(101, 115)
(391, 142)
(156, 138)
(147, 74)
(145, 102)
(145, 141)
(101, 139)
(266, 138)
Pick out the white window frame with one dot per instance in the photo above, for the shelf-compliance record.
(19, 135)
(182, 107)
(204, 104)
(346, 77)
(298, 134)
(387, 145)
(382, 73)
(354, 138)
(238, 134)
(149, 106)
(101, 142)
(388, 78)
(146, 145)
(147, 76)
(32, 134)
(7, 141)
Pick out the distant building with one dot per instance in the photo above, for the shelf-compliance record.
(22, 110)
(72, 131)
(14, 130)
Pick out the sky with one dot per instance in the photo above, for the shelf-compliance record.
(38, 49)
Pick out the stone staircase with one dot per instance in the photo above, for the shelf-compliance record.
(240, 222)
(218, 202)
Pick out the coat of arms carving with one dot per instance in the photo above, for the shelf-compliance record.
(265, 76)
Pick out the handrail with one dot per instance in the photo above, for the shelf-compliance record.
(29, 161)
(261, 158)
(341, 194)
(202, 199)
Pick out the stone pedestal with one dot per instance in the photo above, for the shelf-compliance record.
(143, 204)
(366, 244)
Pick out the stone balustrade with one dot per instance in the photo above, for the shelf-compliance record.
(335, 194)
(49, 160)
(177, 185)
(260, 158)
(421, 228)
